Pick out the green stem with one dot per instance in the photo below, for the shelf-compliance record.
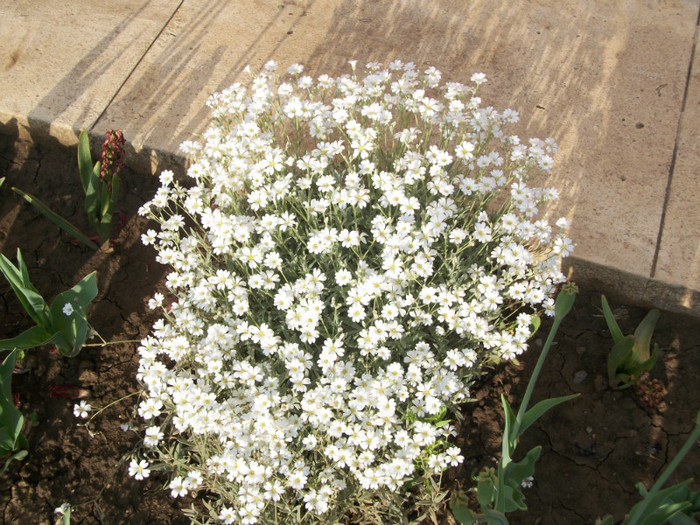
(105, 343)
(109, 405)
(535, 375)
(563, 305)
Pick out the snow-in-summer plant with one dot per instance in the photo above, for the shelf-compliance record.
(348, 255)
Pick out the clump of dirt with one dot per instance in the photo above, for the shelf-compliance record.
(595, 448)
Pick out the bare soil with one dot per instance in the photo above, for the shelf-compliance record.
(595, 448)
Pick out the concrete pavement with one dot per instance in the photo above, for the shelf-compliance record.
(616, 84)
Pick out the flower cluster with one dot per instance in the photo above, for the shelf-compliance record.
(349, 255)
(112, 159)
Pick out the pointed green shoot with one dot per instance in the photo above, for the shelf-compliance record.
(643, 333)
(31, 300)
(84, 160)
(610, 320)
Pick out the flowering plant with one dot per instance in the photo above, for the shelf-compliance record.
(350, 255)
(101, 181)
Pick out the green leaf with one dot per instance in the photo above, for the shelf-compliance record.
(607, 520)
(535, 323)
(105, 227)
(617, 356)
(463, 515)
(84, 160)
(657, 509)
(115, 189)
(91, 200)
(6, 369)
(460, 510)
(74, 327)
(682, 518)
(17, 455)
(31, 338)
(636, 367)
(104, 200)
(510, 435)
(610, 319)
(665, 512)
(565, 300)
(56, 219)
(541, 408)
(92, 197)
(22, 266)
(643, 333)
(516, 472)
(493, 517)
(2, 181)
(486, 488)
(30, 298)
(11, 419)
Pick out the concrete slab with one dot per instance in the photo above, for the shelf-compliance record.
(62, 62)
(678, 261)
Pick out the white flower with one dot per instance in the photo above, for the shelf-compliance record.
(156, 301)
(139, 469)
(297, 480)
(68, 309)
(228, 515)
(82, 409)
(153, 436)
(178, 487)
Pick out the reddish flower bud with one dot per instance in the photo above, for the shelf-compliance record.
(112, 156)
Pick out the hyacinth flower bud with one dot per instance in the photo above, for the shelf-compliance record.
(112, 156)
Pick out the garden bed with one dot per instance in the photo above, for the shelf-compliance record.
(595, 448)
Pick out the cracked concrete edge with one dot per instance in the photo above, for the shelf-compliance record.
(617, 284)
(629, 288)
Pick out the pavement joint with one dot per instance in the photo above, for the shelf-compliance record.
(136, 65)
(674, 155)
